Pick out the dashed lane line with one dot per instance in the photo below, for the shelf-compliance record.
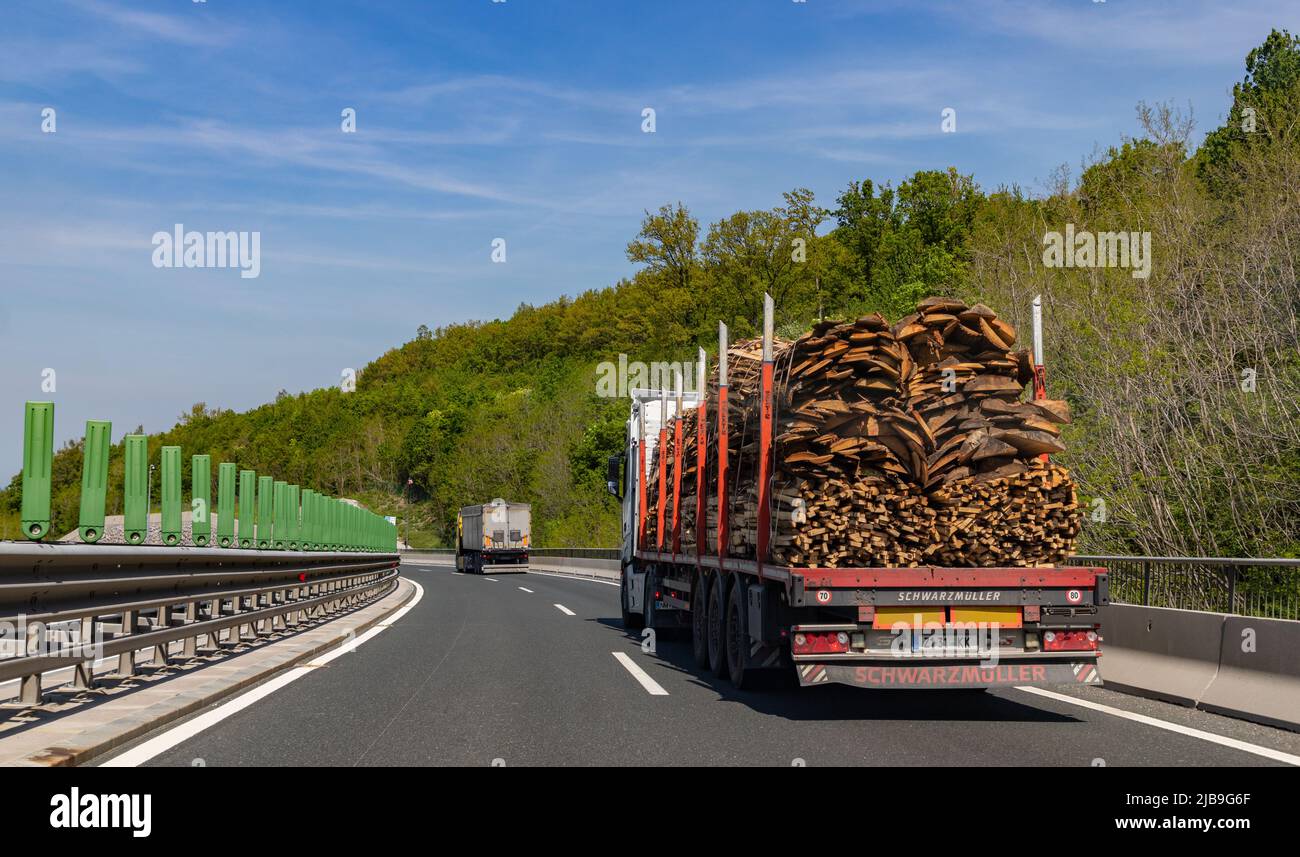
(652, 687)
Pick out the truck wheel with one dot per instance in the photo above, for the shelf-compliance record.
(717, 626)
(700, 620)
(737, 638)
(631, 621)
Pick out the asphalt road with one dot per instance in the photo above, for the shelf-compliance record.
(482, 672)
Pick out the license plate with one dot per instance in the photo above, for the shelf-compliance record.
(950, 641)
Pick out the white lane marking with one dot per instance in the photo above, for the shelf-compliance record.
(493, 579)
(1267, 753)
(565, 610)
(652, 687)
(525, 589)
(573, 577)
(459, 573)
(154, 746)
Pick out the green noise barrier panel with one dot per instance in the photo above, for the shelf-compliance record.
(94, 479)
(201, 499)
(226, 504)
(135, 490)
(171, 495)
(38, 458)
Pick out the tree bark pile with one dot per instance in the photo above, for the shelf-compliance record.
(895, 446)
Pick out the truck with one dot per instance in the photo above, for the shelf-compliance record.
(967, 628)
(493, 536)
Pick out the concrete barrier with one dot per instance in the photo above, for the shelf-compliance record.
(602, 569)
(1160, 652)
(1259, 672)
(1237, 665)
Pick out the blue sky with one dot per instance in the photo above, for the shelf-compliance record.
(479, 120)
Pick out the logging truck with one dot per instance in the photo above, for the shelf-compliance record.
(914, 627)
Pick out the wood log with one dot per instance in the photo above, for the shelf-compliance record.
(895, 446)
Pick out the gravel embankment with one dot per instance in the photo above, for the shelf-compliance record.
(115, 534)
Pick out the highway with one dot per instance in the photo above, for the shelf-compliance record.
(535, 669)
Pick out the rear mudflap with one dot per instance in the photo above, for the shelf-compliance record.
(949, 675)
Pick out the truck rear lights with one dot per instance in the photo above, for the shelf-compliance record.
(820, 642)
(1070, 641)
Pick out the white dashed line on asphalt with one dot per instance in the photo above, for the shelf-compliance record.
(652, 687)
(1245, 747)
(573, 577)
(492, 579)
(565, 610)
(525, 589)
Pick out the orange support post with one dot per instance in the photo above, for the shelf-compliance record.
(677, 481)
(663, 483)
(722, 442)
(765, 442)
(701, 454)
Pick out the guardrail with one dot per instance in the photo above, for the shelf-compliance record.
(1267, 588)
(71, 605)
(271, 514)
(573, 553)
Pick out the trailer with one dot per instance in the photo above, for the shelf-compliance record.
(924, 628)
(493, 536)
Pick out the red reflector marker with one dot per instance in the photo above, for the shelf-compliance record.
(1070, 641)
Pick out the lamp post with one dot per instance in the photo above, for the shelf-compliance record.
(406, 527)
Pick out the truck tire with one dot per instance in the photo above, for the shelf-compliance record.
(737, 636)
(648, 603)
(717, 626)
(700, 619)
(631, 621)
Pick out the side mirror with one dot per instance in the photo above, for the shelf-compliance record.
(614, 476)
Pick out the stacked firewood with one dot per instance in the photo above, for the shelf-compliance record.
(895, 446)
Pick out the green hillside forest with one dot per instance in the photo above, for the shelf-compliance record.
(1182, 368)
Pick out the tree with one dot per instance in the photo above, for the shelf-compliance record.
(863, 217)
(1264, 106)
(666, 244)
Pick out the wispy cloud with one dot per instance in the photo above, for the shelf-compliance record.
(197, 30)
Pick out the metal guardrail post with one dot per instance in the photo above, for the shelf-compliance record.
(94, 479)
(201, 499)
(38, 458)
(1232, 589)
(265, 498)
(135, 492)
(226, 504)
(247, 506)
(171, 495)
(1146, 584)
